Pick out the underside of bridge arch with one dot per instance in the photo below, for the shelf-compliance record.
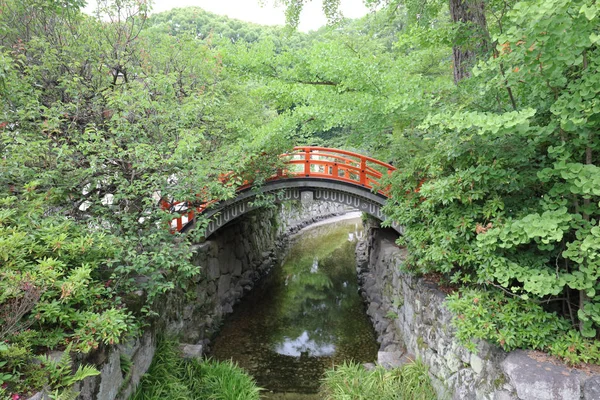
(305, 190)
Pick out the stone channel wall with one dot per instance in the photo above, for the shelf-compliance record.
(232, 261)
(410, 317)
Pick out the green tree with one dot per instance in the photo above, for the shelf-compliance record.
(510, 198)
(471, 38)
(100, 118)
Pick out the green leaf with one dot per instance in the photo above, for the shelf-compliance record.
(590, 11)
(587, 330)
(591, 292)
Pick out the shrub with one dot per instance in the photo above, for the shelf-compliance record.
(516, 323)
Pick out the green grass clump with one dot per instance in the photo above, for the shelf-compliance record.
(351, 381)
(171, 377)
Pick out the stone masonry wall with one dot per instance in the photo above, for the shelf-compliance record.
(411, 320)
(234, 258)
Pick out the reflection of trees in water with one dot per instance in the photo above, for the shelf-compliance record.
(316, 306)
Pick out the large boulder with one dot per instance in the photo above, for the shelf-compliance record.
(535, 380)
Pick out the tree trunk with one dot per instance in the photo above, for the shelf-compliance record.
(473, 38)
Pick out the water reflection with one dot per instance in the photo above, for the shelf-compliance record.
(304, 346)
(315, 266)
(306, 316)
(357, 234)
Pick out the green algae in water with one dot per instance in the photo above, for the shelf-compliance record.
(304, 318)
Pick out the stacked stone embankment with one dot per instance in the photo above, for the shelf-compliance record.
(411, 320)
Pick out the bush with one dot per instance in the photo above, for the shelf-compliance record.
(51, 280)
(516, 323)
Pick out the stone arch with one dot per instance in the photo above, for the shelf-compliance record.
(305, 190)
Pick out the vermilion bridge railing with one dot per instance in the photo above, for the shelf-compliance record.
(307, 162)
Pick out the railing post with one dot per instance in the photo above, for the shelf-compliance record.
(363, 171)
(306, 162)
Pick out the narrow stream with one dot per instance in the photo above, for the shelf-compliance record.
(304, 318)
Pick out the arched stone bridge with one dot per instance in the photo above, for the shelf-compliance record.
(312, 174)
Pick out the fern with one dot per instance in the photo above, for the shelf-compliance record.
(62, 379)
(63, 367)
(66, 394)
(82, 372)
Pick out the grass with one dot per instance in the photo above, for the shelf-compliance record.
(171, 377)
(351, 381)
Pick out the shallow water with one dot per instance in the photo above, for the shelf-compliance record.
(304, 318)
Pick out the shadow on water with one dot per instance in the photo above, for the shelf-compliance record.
(305, 317)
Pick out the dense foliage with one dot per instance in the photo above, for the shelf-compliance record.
(510, 194)
(100, 118)
(205, 25)
(498, 183)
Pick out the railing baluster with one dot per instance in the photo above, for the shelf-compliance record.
(363, 173)
(306, 162)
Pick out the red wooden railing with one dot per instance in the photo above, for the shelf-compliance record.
(306, 162)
